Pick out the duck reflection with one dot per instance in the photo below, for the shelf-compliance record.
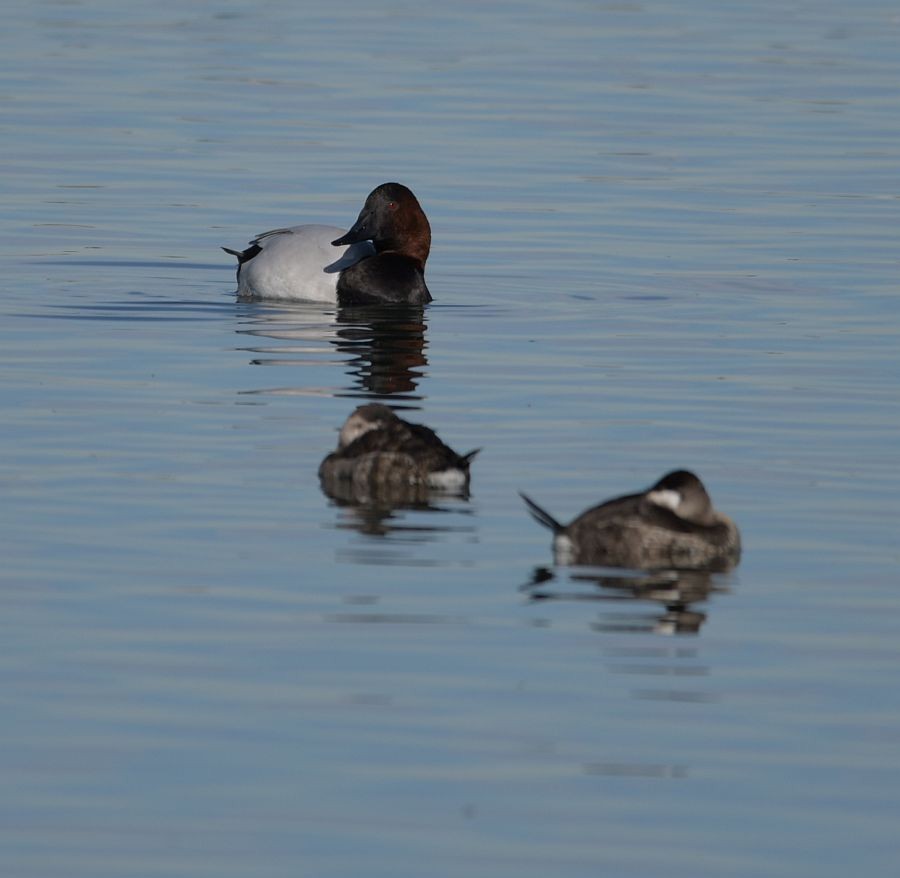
(383, 463)
(386, 347)
(382, 348)
(674, 594)
(385, 513)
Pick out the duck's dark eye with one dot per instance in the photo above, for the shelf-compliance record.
(392, 205)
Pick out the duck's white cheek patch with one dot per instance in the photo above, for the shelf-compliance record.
(353, 429)
(563, 550)
(448, 479)
(665, 498)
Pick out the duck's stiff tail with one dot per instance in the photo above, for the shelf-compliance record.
(541, 516)
(466, 459)
(245, 255)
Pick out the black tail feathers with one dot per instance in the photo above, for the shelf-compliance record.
(541, 516)
(466, 459)
(245, 255)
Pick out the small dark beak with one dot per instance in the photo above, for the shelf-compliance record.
(359, 232)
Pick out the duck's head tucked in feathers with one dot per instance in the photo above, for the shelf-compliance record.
(365, 418)
(685, 495)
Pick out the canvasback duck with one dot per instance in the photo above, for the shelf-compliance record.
(376, 449)
(671, 525)
(382, 260)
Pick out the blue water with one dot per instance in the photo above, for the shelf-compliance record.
(665, 235)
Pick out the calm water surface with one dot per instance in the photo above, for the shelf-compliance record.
(665, 235)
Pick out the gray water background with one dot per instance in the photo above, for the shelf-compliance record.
(665, 235)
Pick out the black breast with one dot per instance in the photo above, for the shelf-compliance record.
(386, 278)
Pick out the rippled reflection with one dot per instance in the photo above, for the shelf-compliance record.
(382, 349)
(386, 348)
(385, 511)
(403, 529)
(663, 602)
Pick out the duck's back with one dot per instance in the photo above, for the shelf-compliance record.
(628, 532)
(398, 453)
(298, 263)
(414, 442)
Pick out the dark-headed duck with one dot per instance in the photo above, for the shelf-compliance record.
(381, 260)
(672, 525)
